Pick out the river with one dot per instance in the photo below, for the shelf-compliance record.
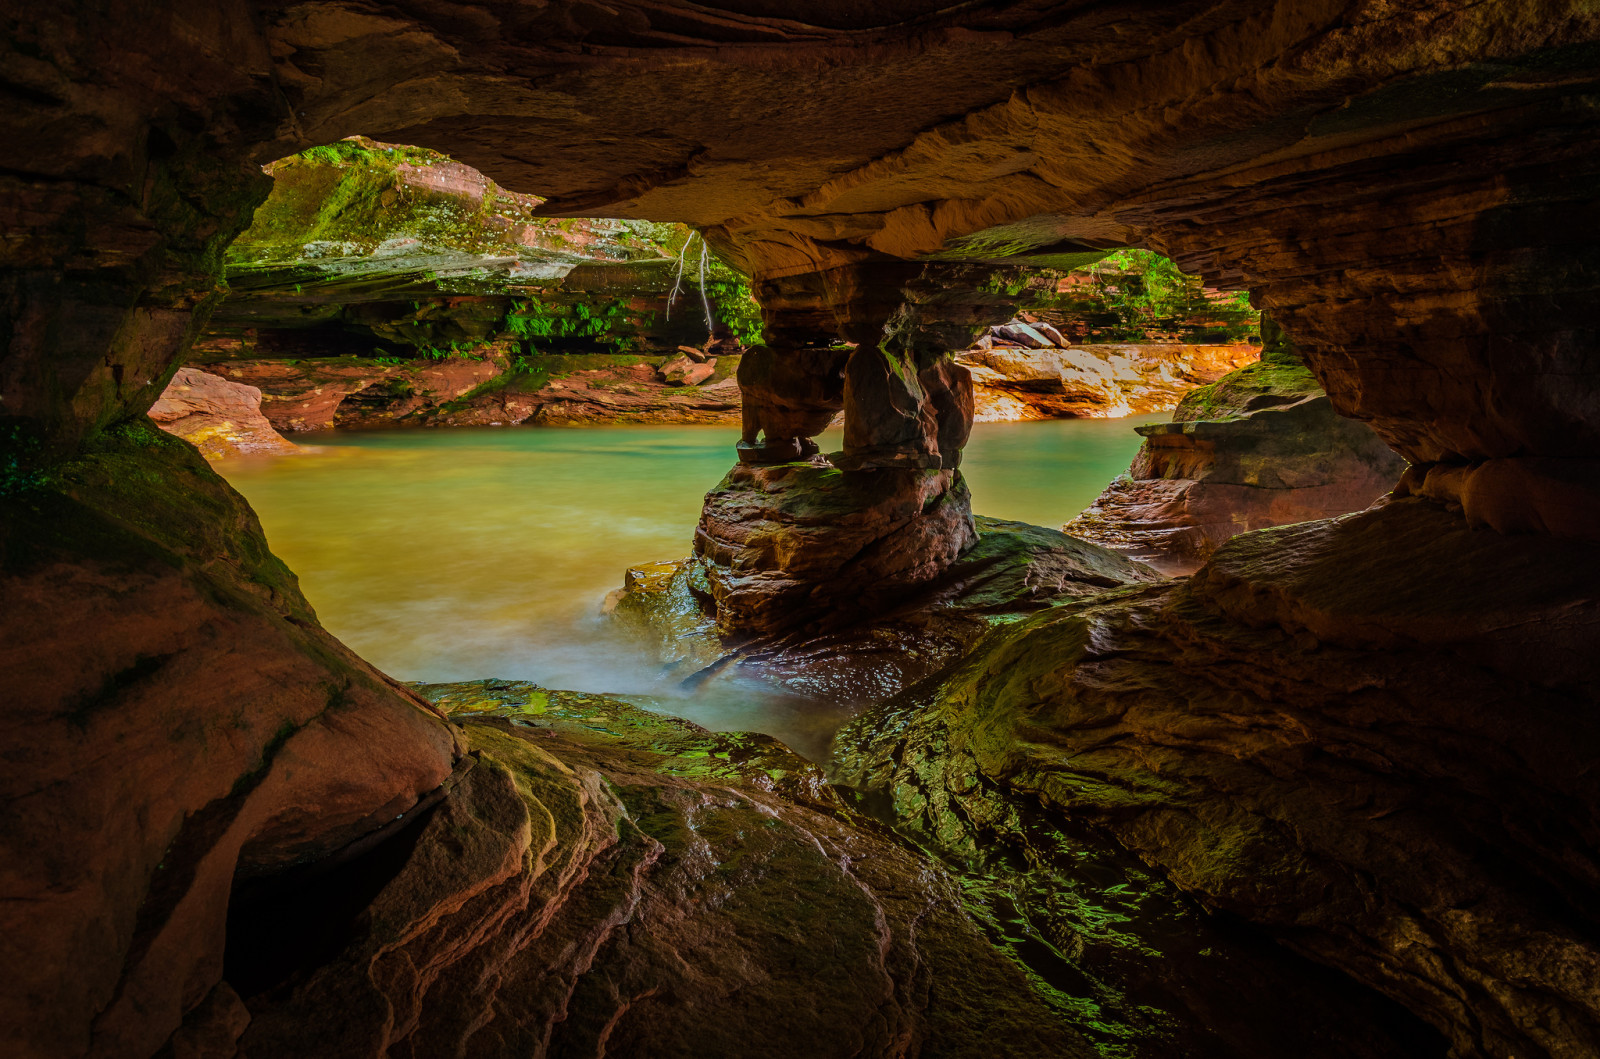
(456, 554)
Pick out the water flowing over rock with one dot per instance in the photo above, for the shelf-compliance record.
(1261, 447)
(877, 642)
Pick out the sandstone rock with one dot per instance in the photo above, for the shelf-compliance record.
(219, 417)
(1100, 380)
(784, 545)
(214, 733)
(788, 396)
(904, 410)
(1408, 186)
(1300, 742)
(1560, 497)
(684, 371)
(606, 881)
(864, 658)
(1261, 447)
(359, 393)
(1031, 334)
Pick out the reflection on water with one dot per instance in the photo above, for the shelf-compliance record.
(446, 555)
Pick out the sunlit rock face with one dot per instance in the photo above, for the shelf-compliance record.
(1260, 447)
(1052, 382)
(382, 285)
(1372, 736)
(219, 417)
(298, 395)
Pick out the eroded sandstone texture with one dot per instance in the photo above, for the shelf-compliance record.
(357, 393)
(1341, 731)
(1373, 739)
(1260, 447)
(219, 417)
(177, 723)
(1092, 381)
(858, 650)
(606, 881)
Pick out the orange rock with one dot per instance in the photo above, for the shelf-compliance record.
(219, 417)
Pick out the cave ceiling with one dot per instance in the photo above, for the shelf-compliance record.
(1406, 187)
(898, 129)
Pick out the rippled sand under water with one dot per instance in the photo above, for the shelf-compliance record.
(446, 555)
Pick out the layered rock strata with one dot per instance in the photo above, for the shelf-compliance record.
(1312, 735)
(219, 417)
(177, 724)
(1407, 187)
(1261, 447)
(860, 650)
(357, 393)
(606, 881)
(785, 545)
(1048, 382)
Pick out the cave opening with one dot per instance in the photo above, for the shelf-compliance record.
(383, 285)
(1297, 713)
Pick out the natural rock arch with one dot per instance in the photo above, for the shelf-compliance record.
(1406, 188)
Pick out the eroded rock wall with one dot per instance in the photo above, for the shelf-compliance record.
(1260, 447)
(1101, 381)
(1366, 735)
(178, 722)
(607, 880)
(1406, 186)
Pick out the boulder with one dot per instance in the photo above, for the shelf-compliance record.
(218, 416)
(686, 371)
(1261, 447)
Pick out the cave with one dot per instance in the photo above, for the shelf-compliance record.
(1323, 787)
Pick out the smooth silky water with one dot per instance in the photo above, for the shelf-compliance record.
(458, 554)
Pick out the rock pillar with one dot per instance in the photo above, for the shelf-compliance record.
(791, 538)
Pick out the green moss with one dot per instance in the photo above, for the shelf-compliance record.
(1131, 296)
(1277, 378)
(137, 496)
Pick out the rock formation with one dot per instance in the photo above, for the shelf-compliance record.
(1328, 731)
(219, 417)
(1372, 736)
(216, 735)
(891, 632)
(1261, 447)
(309, 395)
(606, 881)
(1048, 382)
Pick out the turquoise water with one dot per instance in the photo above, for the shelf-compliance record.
(481, 552)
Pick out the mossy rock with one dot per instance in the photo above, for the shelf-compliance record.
(1278, 378)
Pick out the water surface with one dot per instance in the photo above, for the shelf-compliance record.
(458, 554)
